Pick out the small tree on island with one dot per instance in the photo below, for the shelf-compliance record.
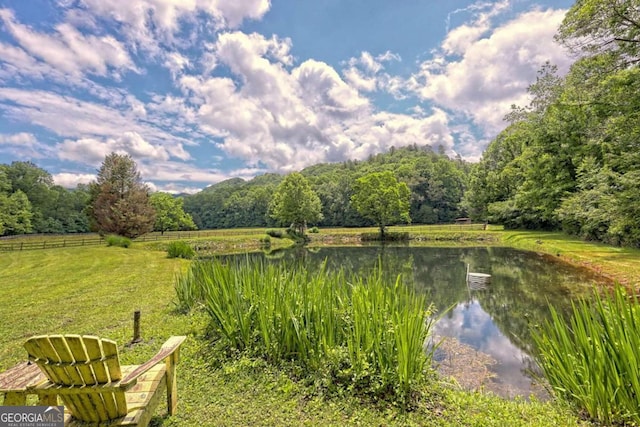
(295, 203)
(119, 201)
(170, 214)
(381, 198)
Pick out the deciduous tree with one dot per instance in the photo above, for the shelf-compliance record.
(380, 197)
(295, 203)
(170, 214)
(15, 214)
(597, 27)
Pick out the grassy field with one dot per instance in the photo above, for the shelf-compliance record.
(95, 290)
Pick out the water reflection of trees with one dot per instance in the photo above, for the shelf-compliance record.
(521, 286)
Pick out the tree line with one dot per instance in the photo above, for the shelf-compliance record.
(118, 202)
(412, 184)
(570, 160)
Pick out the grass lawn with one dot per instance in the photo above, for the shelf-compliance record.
(620, 264)
(95, 290)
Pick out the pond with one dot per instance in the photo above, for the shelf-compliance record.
(486, 341)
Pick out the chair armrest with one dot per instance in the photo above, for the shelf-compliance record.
(171, 346)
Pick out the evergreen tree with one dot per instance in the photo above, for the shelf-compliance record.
(120, 201)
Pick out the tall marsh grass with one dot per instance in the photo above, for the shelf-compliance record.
(593, 359)
(360, 332)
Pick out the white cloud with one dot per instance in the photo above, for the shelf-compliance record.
(234, 12)
(23, 145)
(358, 80)
(146, 23)
(71, 180)
(73, 118)
(176, 172)
(287, 119)
(93, 151)
(174, 188)
(381, 131)
(492, 72)
(176, 63)
(461, 38)
(22, 138)
(364, 73)
(69, 50)
(16, 62)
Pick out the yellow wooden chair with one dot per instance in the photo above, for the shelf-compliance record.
(85, 372)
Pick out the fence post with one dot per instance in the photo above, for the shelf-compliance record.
(136, 327)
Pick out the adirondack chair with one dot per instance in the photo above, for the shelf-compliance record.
(85, 372)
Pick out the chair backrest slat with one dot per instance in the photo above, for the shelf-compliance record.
(107, 371)
(74, 360)
(43, 353)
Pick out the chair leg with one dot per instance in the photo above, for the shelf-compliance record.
(172, 384)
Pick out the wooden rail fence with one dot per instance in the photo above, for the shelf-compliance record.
(27, 243)
(34, 242)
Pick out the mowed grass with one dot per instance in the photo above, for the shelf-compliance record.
(90, 290)
(94, 290)
(619, 264)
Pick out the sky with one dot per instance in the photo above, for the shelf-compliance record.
(199, 91)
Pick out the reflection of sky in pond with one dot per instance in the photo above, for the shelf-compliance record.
(470, 324)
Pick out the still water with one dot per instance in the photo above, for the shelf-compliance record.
(487, 344)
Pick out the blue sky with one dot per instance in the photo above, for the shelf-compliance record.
(198, 91)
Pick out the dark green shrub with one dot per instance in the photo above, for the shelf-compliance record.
(122, 242)
(275, 233)
(180, 249)
(265, 242)
(295, 235)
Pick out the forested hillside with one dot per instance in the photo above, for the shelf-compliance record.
(437, 184)
(571, 159)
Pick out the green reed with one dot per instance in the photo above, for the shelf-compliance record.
(593, 359)
(289, 313)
